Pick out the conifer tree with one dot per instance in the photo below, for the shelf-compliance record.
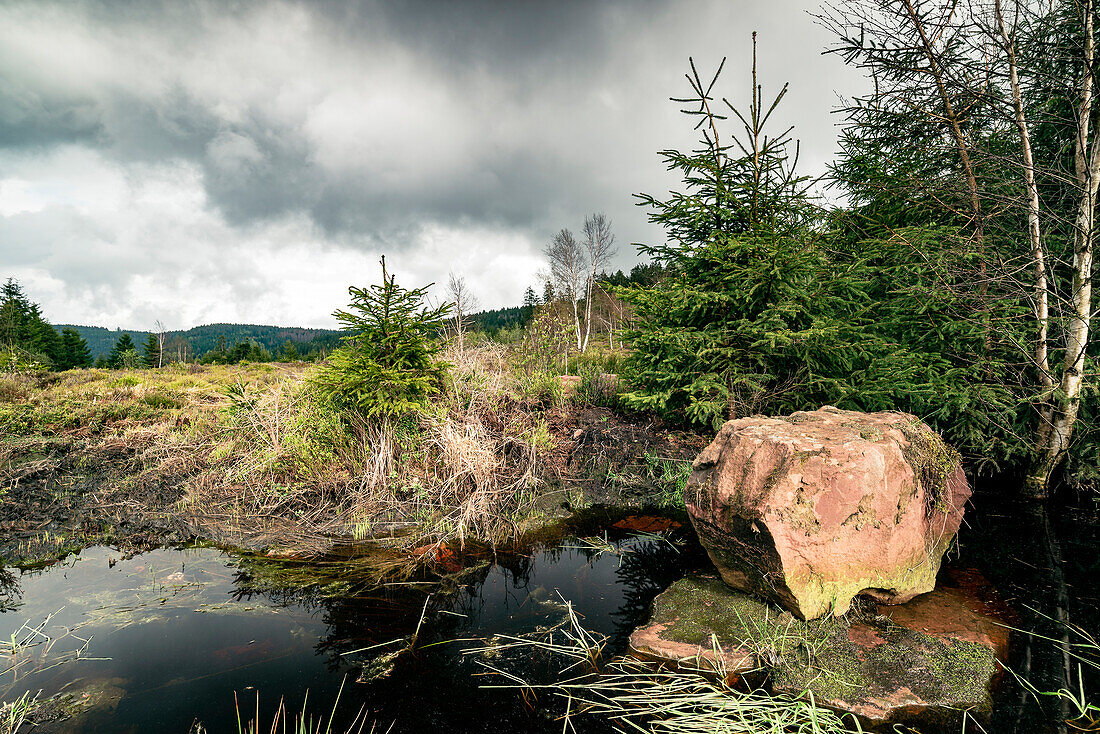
(74, 350)
(120, 352)
(387, 365)
(151, 351)
(746, 309)
(27, 339)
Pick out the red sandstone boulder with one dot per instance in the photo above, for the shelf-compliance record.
(812, 509)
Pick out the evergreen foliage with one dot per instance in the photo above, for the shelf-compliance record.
(247, 351)
(120, 355)
(202, 340)
(26, 338)
(496, 320)
(743, 308)
(288, 352)
(74, 350)
(765, 305)
(386, 367)
(151, 351)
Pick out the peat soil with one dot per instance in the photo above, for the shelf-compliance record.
(61, 493)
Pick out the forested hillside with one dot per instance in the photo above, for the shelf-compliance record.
(210, 337)
(100, 339)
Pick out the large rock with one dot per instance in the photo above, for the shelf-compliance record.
(923, 662)
(812, 509)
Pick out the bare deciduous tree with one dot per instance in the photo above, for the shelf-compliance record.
(568, 269)
(599, 244)
(464, 302)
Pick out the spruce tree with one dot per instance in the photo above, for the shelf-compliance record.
(747, 311)
(120, 352)
(74, 350)
(27, 339)
(387, 365)
(151, 351)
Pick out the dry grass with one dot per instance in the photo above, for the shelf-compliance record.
(465, 470)
(638, 696)
(267, 464)
(263, 462)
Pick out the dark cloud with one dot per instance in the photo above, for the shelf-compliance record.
(369, 125)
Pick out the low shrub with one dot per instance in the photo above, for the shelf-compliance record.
(596, 387)
(542, 389)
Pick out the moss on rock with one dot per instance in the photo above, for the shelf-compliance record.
(878, 670)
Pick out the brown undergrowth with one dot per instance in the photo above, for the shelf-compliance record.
(251, 456)
(290, 474)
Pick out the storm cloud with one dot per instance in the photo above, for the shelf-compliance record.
(246, 161)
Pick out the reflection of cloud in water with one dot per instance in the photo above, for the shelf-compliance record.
(184, 629)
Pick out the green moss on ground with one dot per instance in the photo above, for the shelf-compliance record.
(697, 607)
(820, 657)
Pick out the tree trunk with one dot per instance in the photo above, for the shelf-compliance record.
(576, 320)
(1054, 436)
(587, 313)
(1040, 285)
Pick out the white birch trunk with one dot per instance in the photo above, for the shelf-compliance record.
(1066, 401)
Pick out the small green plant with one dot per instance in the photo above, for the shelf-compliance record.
(546, 342)
(386, 367)
(596, 387)
(161, 401)
(14, 714)
(670, 477)
(542, 388)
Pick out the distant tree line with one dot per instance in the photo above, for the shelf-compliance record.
(30, 342)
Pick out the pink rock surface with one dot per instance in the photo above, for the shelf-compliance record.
(812, 509)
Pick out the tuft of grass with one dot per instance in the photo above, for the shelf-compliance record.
(17, 713)
(638, 696)
(283, 722)
(596, 387)
(1082, 649)
(543, 389)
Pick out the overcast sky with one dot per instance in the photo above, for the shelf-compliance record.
(247, 161)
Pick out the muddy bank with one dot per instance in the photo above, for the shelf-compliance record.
(132, 484)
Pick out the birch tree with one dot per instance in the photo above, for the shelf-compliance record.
(1059, 413)
(464, 303)
(568, 269)
(949, 91)
(161, 335)
(599, 245)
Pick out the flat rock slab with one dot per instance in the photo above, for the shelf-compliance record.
(928, 660)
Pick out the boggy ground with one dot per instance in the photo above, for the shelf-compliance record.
(248, 457)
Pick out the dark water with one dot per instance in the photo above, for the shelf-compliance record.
(1007, 540)
(183, 630)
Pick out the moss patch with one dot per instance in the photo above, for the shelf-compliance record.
(871, 666)
(932, 461)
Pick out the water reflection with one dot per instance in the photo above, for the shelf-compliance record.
(178, 631)
(174, 632)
